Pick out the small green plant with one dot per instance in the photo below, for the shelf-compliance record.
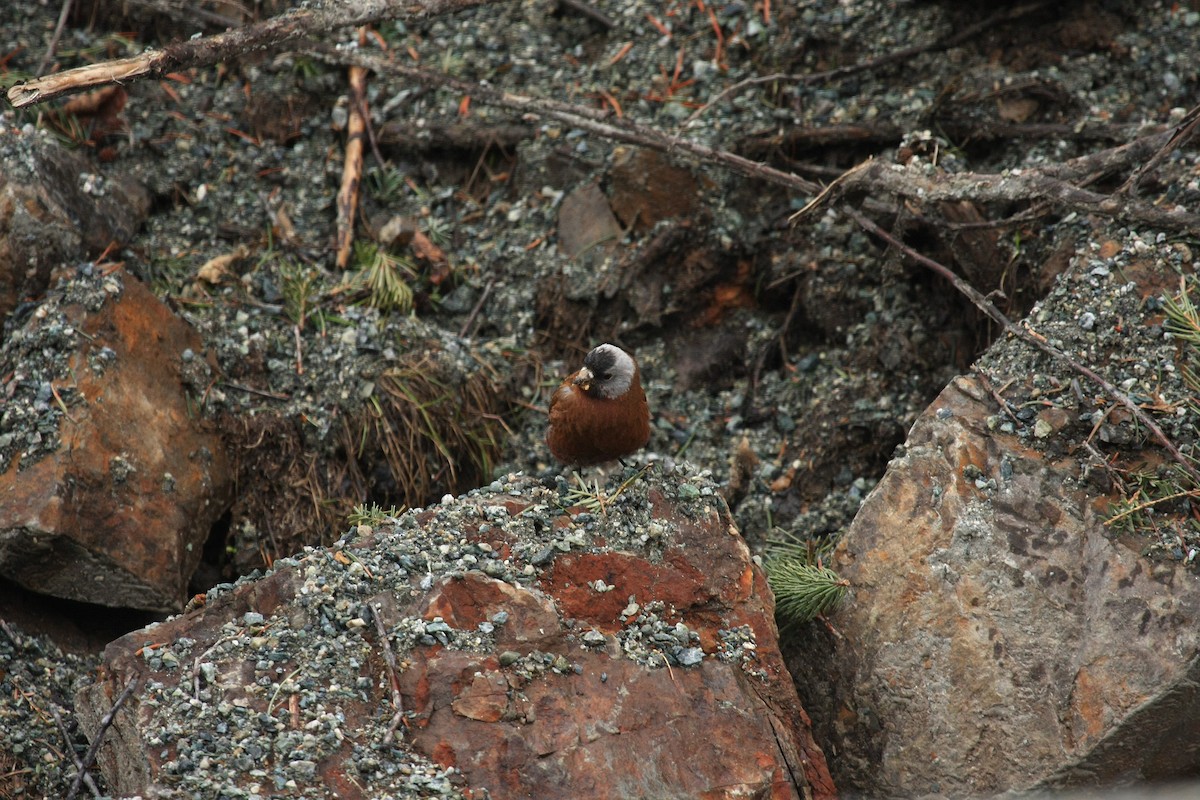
(300, 286)
(804, 587)
(385, 184)
(1160, 501)
(594, 497)
(590, 497)
(1150, 496)
(374, 515)
(1183, 322)
(804, 591)
(166, 273)
(438, 230)
(305, 67)
(385, 276)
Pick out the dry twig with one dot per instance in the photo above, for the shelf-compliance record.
(389, 659)
(75, 759)
(1054, 184)
(90, 756)
(289, 27)
(51, 48)
(347, 196)
(600, 122)
(914, 184)
(1183, 131)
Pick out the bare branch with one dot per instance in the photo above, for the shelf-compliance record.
(287, 28)
(89, 758)
(1051, 184)
(602, 123)
(389, 660)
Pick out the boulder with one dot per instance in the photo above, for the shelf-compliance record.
(499, 642)
(56, 206)
(110, 481)
(999, 635)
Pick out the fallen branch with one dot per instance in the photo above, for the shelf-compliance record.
(289, 27)
(1183, 132)
(89, 758)
(51, 48)
(600, 122)
(1027, 336)
(70, 750)
(955, 129)
(389, 660)
(1051, 184)
(347, 196)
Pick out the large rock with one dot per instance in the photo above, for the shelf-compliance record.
(998, 635)
(56, 207)
(629, 653)
(109, 480)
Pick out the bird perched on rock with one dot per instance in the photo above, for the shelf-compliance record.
(599, 413)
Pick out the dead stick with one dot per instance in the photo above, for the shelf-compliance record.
(908, 182)
(389, 659)
(984, 305)
(289, 27)
(90, 757)
(347, 196)
(1051, 184)
(595, 121)
(1183, 131)
(75, 759)
(589, 11)
(470, 323)
(63, 13)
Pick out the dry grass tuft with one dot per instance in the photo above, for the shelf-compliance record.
(436, 431)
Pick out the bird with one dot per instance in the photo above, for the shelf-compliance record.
(599, 413)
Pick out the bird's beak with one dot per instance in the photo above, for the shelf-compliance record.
(583, 379)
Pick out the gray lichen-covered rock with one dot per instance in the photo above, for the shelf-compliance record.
(56, 207)
(999, 635)
(528, 649)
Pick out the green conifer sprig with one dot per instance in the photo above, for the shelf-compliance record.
(803, 590)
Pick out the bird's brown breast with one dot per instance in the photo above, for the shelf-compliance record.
(586, 430)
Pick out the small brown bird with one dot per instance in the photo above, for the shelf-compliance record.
(600, 412)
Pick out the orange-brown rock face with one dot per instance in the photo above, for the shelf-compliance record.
(536, 654)
(110, 482)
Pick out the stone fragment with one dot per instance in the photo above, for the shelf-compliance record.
(110, 481)
(56, 208)
(647, 188)
(999, 637)
(586, 225)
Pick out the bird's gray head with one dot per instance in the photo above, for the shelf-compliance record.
(607, 371)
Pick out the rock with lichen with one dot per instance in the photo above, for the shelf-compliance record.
(109, 480)
(524, 639)
(1007, 628)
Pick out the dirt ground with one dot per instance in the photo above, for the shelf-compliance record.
(789, 358)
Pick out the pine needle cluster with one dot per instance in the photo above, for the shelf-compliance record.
(804, 587)
(802, 591)
(386, 277)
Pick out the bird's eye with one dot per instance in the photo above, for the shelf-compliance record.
(606, 376)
